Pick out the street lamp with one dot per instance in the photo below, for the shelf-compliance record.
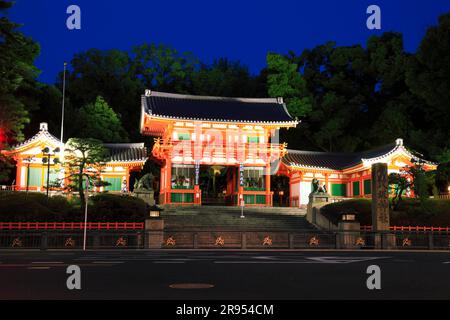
(46, 160)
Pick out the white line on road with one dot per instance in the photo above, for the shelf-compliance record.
(265, 262)
(446, 262)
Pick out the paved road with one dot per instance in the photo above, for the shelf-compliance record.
(226, 275)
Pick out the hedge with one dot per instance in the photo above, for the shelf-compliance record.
(433, 212)
(19, 206)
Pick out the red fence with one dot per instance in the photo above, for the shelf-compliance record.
(410, 228)
(71, 225)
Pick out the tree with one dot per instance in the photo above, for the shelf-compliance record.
(83, 158)
(284, 80)
(401, 184)
(163, 68)
(227, 79)
(100, 122)
(411, 178)
(428, 77)
(16, 72)
(106, 73)
(6, 166)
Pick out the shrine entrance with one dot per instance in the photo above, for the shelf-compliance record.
(213, 184)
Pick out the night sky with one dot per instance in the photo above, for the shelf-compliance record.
(238, 29)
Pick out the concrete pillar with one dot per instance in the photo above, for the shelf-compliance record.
(154, 229)
(349, 232)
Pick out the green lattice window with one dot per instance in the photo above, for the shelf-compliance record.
(368, 186)
(356, 188)
(181, 197)
(252, 139)
(338, 189)
(35, 177)
(115, 183)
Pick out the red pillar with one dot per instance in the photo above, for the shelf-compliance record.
(168, 180)
(268, 196)
(18, 172)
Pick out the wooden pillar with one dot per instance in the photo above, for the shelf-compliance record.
(268, 197)
(361, 186)
(168, 179)
(19, 172)
(127, 177)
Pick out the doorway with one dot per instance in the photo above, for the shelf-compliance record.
(213, 184)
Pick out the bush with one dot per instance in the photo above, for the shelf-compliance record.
(34, 207)
(361, 207)
(110, 207)
(19, 206)
(411, 212)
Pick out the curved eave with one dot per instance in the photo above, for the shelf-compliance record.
(131, 163)
(42, 135)
(400, 149)
(301, 167)
(292, 123)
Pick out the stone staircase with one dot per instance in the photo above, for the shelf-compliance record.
(228, 218)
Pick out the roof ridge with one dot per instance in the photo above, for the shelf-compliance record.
(125, 144)
(149, 93)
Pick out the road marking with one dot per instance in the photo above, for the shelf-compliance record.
(446, 262)
(191, 286)
(38, 268)
(163, 262)
(265, 262)
(339, 260)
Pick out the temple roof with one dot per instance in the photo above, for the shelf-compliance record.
(126, 152)
(341, 161)
(190, 107)
(42, 135)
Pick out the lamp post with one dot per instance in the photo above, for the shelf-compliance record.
(46, 160)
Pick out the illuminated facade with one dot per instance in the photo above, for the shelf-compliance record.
(32, 166)
(233, 136)
(233, 142)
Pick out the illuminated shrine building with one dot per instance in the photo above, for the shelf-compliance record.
(31, 170)
(236, 138)
(216, 150)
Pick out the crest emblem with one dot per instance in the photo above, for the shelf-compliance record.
(314, 241)
(220, 241)
(121, 242)
(267, 241)
(170, 241)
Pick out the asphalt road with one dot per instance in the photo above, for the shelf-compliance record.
(227, 275)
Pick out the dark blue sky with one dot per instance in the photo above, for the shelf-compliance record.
(243, 30)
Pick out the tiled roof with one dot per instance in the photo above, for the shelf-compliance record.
(178, 106)
(340, 161)
(126, 152)
(41, 134)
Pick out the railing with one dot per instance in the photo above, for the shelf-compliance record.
(443, 196)
(71, 225)
(411, 228)
(223, 239)
(8, 187)
(220, 149)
